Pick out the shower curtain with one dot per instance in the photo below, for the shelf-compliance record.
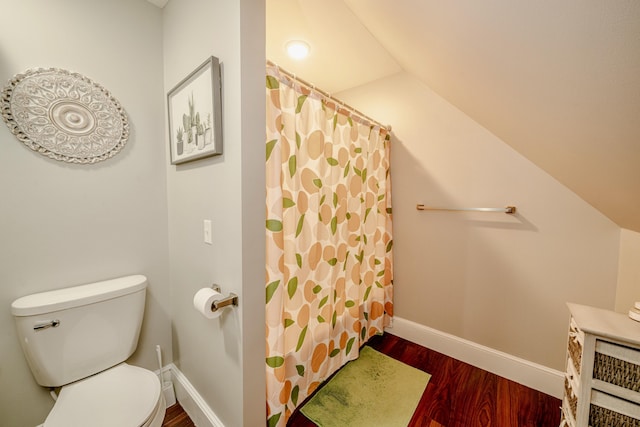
(329, 243)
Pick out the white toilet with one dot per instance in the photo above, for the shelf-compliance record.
(78, 338)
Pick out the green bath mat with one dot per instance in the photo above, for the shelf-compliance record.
(373, 390)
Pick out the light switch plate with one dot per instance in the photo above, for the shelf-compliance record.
(207, 232)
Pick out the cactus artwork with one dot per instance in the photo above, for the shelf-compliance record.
(195, 132)
(190, 136)
(194, 111)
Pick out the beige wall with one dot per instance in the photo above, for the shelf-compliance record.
(497, 280)
(63, 224)
(223, 358)
(629, 271)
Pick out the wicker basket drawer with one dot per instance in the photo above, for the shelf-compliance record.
(609, 411)
(617, 365)
(602, 417)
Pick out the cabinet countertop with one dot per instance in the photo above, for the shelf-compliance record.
(606, 323)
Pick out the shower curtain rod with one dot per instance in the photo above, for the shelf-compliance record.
(328, 95)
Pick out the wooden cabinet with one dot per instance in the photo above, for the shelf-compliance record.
(602, 380)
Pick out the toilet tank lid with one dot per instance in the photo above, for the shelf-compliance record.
(61, 299)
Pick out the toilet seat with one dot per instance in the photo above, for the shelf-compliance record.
(125, 395)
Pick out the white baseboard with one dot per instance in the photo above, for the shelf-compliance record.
(532, 375)
(193, 404)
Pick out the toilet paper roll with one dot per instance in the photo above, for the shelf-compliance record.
(203, 299)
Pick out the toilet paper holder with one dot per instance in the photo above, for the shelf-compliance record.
(232, 299)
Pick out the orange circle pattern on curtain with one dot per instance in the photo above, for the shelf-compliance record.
(329, 241)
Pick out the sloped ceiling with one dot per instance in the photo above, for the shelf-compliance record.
(558, 81)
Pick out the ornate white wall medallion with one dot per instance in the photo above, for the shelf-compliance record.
(64, 115)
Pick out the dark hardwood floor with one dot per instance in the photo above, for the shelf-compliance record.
(176, 417)
(460, 395)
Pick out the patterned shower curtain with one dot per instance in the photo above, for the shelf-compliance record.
(329, 257)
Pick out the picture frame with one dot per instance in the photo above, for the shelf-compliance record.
(195, 114)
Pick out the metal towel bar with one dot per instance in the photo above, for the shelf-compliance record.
(508, 209)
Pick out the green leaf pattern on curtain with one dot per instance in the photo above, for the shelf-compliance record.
(329, 258)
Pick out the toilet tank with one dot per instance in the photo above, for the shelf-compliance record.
(72, 333)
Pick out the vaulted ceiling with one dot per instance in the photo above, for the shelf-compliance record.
(557, 81)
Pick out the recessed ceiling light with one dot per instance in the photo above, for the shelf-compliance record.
(297, 49)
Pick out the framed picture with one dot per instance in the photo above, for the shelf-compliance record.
(195, 114)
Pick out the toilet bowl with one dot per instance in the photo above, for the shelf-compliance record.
(124, 395)
(78, 338)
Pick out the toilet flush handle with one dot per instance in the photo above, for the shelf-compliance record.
(44, 325)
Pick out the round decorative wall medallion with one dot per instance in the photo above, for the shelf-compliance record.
(64, 115)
